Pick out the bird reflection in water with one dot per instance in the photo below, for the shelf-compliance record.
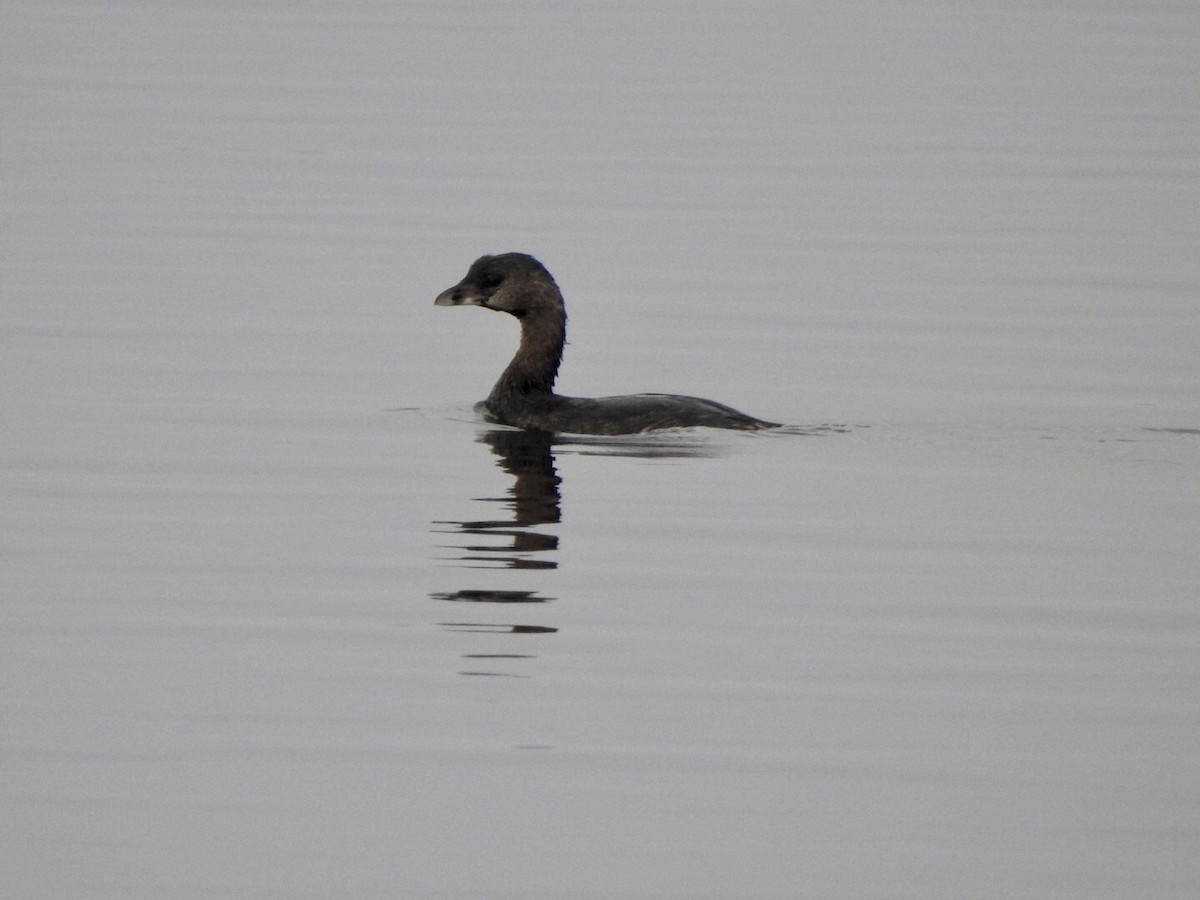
(533, 500)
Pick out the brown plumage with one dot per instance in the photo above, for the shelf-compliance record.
(524, 397)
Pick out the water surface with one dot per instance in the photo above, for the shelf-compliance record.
(280, 618)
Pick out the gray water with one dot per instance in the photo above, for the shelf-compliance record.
(281, 618)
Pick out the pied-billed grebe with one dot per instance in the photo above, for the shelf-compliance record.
(524, 397)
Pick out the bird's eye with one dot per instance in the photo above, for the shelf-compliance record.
(491, 280)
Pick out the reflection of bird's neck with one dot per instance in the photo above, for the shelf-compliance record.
(528, 456)
(535, 365)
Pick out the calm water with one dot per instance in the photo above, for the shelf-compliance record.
(281, 619)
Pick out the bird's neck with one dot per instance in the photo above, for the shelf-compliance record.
(535, 365)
